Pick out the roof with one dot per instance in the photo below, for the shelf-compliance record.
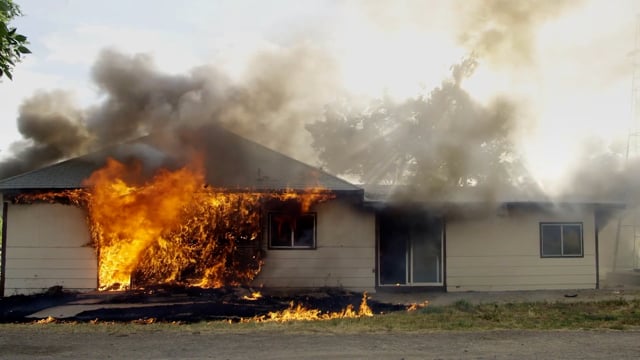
(402, 194)
(231, 161)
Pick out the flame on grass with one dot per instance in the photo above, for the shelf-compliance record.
(47, 320)
(254, 296)
(298, 312)
(173, 229)
(417, 306)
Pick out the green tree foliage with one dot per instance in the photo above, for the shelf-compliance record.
(437, 142)
(12, 44)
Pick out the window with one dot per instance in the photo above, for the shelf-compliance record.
(288, 231)
(561, 240)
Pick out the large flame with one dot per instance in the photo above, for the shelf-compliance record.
(174, 229)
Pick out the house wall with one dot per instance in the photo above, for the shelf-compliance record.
(344, 254)
(47, 245)
(502, 252)
(619, 248)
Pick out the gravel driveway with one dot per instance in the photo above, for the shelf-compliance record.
(42, 342)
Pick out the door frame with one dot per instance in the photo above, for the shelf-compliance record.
(409, 254)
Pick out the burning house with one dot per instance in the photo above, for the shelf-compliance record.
(212, 223)
(238, 213)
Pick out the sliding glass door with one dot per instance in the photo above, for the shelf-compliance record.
(409, 249)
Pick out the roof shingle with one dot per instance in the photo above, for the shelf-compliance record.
(231, 161)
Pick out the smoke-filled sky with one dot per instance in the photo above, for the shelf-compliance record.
(566, 64)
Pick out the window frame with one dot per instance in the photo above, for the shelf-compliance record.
(292, 246)
(561, 225)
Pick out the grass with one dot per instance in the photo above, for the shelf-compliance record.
(612, 314)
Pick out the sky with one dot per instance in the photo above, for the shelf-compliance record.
(573, 80)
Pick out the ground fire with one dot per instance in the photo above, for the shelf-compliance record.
(299, 312)
(174, 228)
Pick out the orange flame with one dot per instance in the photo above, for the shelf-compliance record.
(299, 312)
(417, 306)
(174, 228)
(254, 296)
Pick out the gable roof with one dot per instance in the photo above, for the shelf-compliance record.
(231, 161)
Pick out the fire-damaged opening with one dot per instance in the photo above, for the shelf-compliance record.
(238, 257)
(410, 248)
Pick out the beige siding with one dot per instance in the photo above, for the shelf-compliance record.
(344, 257)
(502, 252)
(619, 248)
(48, 245)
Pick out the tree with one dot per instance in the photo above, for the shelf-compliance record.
(12, 44)
(434, 143)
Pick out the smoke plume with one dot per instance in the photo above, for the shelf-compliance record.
(440, 140)
(502, 31)
(440, 146)
(52, 127)
(268, 105)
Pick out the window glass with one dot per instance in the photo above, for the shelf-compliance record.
(304, 232)
(561, 239)
(571, 240)
(292, 231)
(280, 231)
(551, 240)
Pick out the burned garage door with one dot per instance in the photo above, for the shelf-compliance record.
(410, 249)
